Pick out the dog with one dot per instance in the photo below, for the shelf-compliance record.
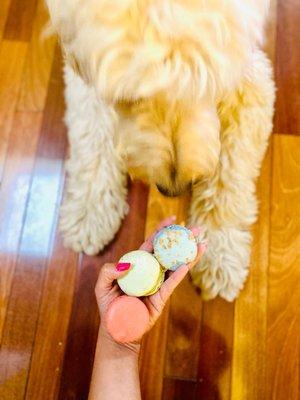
(177, 93)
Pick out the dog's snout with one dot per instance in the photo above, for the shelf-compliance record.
(172, 192)
(163, 190)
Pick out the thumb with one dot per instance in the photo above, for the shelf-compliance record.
(108, 274)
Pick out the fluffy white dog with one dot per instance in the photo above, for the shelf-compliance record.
(177, 93)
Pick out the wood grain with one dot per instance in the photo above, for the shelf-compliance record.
(283, 349)
(216, 342)
(154, 344)
(184, 323)
(12, 57)
(287, 75)
(4, 7)
(35, 242)
(13, 197)
(82, 333)
(52, 328)
(270, 43)
(84, 323)
(250, 318)
(176, 389)
(182, 352)
(19, 20)
(38, 63)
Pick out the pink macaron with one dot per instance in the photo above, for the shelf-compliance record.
(126, 319)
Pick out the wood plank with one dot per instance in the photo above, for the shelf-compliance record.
(12, 57)
(152, 358)
(182, 352)
(270, 45)
(177, 389)
(287, 116)
(38, 63)
(19, 20)
(249, 348)
(13, 197)
(82, 333)
(215, 344)
(36, 241)
(4, 7)
(284, 274)
(154, 343)
(52, 329)
(83, 329)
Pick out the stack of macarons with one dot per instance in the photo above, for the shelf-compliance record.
(173, 246)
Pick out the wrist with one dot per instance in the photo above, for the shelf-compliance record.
(120, 349)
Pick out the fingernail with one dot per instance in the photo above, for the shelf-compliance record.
(123, 266)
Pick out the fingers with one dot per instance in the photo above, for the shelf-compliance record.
(172, 282)
(201, 250)
(195, 230)
(148, 244)
(177, 276)
(108, 274)
(198, 233)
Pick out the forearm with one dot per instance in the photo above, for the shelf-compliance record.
(115, 373)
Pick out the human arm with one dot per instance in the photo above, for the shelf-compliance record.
(115, 374)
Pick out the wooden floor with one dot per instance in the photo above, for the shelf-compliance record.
(248, 350)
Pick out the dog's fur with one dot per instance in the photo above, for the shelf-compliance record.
(177, 93)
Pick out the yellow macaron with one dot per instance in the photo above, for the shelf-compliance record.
(145, 275)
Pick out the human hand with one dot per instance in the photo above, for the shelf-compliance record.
(108, 290)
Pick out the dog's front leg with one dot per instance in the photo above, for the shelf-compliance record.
(226, 205)
(95, 195)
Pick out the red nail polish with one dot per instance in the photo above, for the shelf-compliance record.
(123, 266)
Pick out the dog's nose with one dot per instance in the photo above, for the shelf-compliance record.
(174, 192)
(165, 191)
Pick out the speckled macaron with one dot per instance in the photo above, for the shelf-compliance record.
(175, 245)
(145, 275)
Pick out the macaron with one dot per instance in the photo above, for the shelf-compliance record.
(145, 275)
(175, 245)
(126, 319)
(158, 284)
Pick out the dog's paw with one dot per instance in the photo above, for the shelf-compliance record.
(223, 269)
(80, 236)
(87, 227)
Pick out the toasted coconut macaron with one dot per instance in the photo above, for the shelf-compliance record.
(175, 245)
